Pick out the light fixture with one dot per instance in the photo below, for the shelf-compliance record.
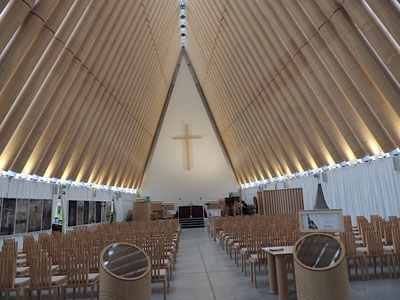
(368, 158)
(33, 177)
(395, 152)
(326, 168)
(344, 164)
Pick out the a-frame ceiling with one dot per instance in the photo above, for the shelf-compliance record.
(292, 85)
(82, 86)
(298, 84)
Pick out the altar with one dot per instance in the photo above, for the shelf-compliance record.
(190, 211)
(191, 216)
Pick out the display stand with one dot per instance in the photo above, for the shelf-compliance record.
(320, 268)
(124, 273)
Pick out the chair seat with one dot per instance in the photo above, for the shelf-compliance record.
(163, 272)
(21, 262)
(54, 267)
(362, 250)
(254, 258)
(22, 270)
(21, 281)
(21, 255)
(358, 242)
(243, 250)
(389, 248)
(93, 277)
(58, 279)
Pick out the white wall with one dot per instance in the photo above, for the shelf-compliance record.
(210, 176)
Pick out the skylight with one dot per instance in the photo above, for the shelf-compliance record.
(182, 21)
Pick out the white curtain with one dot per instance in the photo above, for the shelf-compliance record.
(309, 184)
(365, 189)
(123, 203)
(361, 190)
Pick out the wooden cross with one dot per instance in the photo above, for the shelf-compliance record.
(187, 137)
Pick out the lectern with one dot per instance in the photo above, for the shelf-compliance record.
(320, 268)
(124, 273)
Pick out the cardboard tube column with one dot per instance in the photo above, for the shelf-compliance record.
(124, 273)
(320, 268)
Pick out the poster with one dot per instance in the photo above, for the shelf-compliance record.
(7, 216)
(103, 211)
(21, 216)
(92, 212)
(35, 215)
(86, 212)
(79, 213)
(71, 213)
(98, 211)
(46, 217)
(108, 211)
(326, 220)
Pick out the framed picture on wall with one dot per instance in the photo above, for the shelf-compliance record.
(8, 216)
(79, 213)
(92, 212)
(108, 211)
(21, 216)
(35, 215)
(86, 212)
(46, 217)
(103, 211)
(72, 213)
(98, 211)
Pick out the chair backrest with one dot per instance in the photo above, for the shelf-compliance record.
(374, 243)
(157, 257)
(8, 269)
(78, 269)
(396, 240)
(387, 234)
(348, 240)
(40, 270)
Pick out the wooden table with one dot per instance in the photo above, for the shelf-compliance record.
(278, 279)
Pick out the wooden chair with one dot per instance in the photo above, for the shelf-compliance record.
(396, 252)
(259, 258)
(8, 282)
(351, 253)
(42, 277)
(158, 271)
(78, 276)
(375, 250)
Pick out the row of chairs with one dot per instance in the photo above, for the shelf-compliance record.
(364, 244)
(58, 262)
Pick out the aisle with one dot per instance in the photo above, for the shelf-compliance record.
(205, 272)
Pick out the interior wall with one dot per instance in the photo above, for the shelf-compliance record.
(210, 176)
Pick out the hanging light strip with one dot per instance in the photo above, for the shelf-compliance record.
(343, 164)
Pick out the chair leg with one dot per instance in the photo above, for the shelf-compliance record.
(165, 292)
(374, 262)
(361, 268)
(91, 291)
(255, 274)
(17, 292)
